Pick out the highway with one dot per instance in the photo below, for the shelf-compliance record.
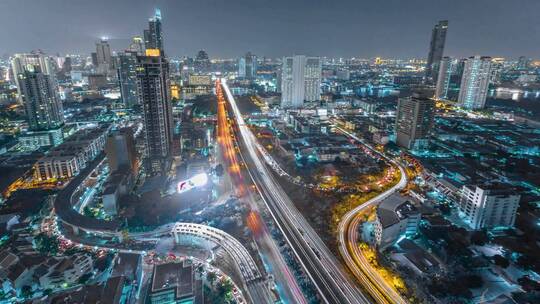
(322, 267)
(370, 279)
(284, 279)
(255, 284)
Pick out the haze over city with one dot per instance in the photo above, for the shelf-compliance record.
(344, 28)
(265, 152)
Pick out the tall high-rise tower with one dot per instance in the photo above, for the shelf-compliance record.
(153, 36)
(247, 66)
(414, 119)
(34, 60)
(153, 89)
(121, 152)
(475, 82)
(447, 69)
(103, 56)
(436, 50)
(127, 77)
(300, 80)
(137, 45)
(202, 62)
(41, 102)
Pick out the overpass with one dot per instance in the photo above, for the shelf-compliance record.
(209, 237)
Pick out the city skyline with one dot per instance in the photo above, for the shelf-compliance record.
(135, 175)
(360, 29)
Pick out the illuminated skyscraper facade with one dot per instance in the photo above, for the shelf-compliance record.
(247, 66)
(300, 80)
(153, 89)
(475, 83)
(436, 50)
(40, 98)
(153, 36)
(127, 77)
(414, 119)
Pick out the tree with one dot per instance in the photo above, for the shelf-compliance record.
(528, 284)
(46, 244)
(85, 277)
(472, 281)
(211, 277)
(26, 291)
(479, 238)
(501, 261)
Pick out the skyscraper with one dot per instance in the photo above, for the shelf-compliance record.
(300, 80)
(137, 45)
(475, 82)
(414, 119)
(153, 36)
(127, 77)
(121, 152)
(202, 62)
(41, 102)
(103, 56)
(436, 50)
(447, 69)
(34, 60)
(153, 89)
(247, 66)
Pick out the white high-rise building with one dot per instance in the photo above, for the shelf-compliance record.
(300, 80)
(475, 83)
(489, 206)
(447, 68)
(23, 62)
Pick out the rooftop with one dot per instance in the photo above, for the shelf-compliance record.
(174, 275)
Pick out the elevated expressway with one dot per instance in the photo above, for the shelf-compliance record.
(254, 284)
(370, 279)
(322, 267)
(208, 237)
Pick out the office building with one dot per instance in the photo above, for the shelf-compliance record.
(300, 80)
(475, 83)
(103, 56)
(489, 206)
(496, 70)
(523, 63)
(436, 50)
(153, 36)
(153, 89)
(137, 45)
(414, 119)
(33, 140)
(67, 159)
(175, 283)
(199, 80)
(447, 69)
(127, 77)
(202, 62)
(121, 152)
(20, 63)
(247, 66)
(41, 102)
(396, 217)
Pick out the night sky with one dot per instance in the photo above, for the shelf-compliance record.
(229, 28)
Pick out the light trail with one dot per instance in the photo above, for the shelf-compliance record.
(261, 233)
(318, 262)
(378, 287)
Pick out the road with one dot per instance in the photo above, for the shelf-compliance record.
(370, 279)
(285, 281)
(322, 267)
